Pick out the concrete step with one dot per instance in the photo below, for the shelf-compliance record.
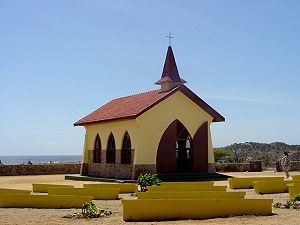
(192, 177)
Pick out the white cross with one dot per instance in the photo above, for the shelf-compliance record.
(170, 38)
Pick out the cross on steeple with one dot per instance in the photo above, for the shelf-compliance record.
(170, 38)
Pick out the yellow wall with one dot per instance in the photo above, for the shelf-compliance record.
(150, 131)
(146, 130)
(43, 201)
(178, 209)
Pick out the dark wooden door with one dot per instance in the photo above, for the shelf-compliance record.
(173, 154)
(166, 153)
(199, 155)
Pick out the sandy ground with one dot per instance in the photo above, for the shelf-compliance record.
(54, 216)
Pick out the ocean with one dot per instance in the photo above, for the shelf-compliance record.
(38, 159)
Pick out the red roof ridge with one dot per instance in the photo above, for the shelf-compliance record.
(140, 93)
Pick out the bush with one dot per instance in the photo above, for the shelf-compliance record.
(295, 198)
(148, 179)
(221, 154)
(90, 209)
(294, 203)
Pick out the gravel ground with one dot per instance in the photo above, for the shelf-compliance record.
(9, 216)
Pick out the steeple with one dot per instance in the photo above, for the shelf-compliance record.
(170, 77)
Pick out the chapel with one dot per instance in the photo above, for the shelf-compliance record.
(161, 131)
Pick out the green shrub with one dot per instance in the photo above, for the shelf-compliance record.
(90, 209)
(148, 179)
(221, 154)
(293, 203)
(295, 198)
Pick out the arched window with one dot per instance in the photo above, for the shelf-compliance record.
(111, 150)
(126, 149)
(97, 150)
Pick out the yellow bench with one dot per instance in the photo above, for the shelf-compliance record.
(271, 186)
(294, 189)
(187, 188)
(124, 187)
(43, 201)
(43, 188)
(189, 194)
(247, 182)
(201, 183)
(4, 191)
(296, 178)
(103, 193)
(170, 209)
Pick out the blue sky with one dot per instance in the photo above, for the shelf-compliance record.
(60, 60)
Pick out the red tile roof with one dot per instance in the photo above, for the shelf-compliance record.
(132, 106)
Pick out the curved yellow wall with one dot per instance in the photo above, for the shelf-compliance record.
(153, 123)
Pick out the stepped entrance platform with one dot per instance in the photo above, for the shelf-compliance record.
(173, 177)
(78, 177)
(176, 177)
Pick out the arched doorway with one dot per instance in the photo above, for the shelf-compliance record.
(174, 150)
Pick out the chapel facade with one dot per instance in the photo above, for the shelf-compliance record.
(160, 131)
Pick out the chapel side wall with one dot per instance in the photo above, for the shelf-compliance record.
(118, 128)
(103, 169)
(153, 123)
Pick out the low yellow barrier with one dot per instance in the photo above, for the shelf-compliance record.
(189, 194)
(162, 209)
(43, 201)
(187, 188)
(296, 178)
(294, 189)
(201, 183)
(103, 193)
(247, 182)
(43, 188)
(271, 186)
(124, 187)
(4, 191)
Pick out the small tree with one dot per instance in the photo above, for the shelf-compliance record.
(221, 154)
(148, 179)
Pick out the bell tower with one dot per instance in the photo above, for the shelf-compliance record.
(170, 77)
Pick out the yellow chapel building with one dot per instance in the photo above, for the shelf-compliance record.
(160, 131)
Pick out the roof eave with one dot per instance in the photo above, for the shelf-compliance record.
(104, 121)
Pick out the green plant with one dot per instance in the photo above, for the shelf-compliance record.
(221, 154)
(90, 209)
(293, 203)
(296, 198)
(148, 179)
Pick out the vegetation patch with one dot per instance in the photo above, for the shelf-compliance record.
(148, 179)
(89, 210)
(294, 203)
